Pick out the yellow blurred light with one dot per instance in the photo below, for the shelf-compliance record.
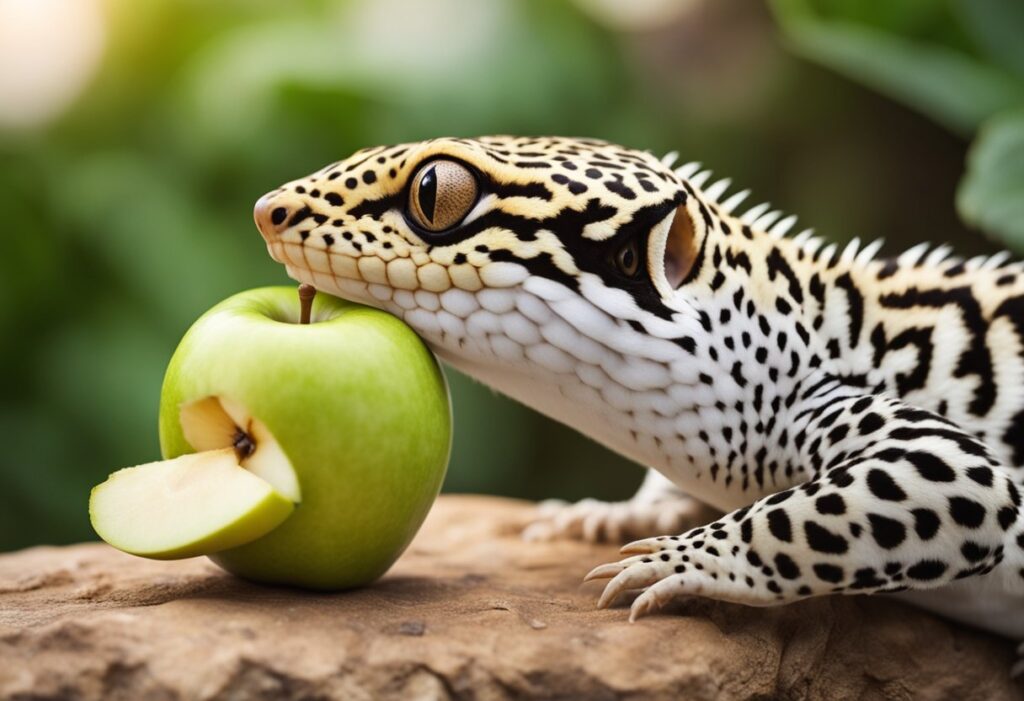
(49, 49)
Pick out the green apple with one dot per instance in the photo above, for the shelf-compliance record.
(348, 416)
(192, 505)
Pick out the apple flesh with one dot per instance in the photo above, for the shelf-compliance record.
(353, 403)
(218, 422)
(192, 505)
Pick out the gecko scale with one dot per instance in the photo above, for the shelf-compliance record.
(859, 421)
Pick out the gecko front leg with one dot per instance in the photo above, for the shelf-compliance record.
(903, 499)
(658, 506)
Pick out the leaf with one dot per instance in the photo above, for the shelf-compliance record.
(911, 18)
(152, 233)
(947, 84)
(991, 194)
(997, 26)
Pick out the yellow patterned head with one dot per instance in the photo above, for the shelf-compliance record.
(475, 214)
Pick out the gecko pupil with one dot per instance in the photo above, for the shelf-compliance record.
(428, 193)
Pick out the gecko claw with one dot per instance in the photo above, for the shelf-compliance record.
(657, 595)
(605, 571)
(642, 606)
(611, 569)
(633, 575)
(609, 595)
(640, 547)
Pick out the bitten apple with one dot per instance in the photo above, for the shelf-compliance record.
(357, 408)
(346, 417)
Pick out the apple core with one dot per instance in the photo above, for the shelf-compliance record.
(213, 423)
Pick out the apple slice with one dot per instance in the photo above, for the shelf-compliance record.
(196, 504)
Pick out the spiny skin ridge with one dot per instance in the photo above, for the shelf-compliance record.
(859, 419)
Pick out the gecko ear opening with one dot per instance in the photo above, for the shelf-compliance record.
(680, 248)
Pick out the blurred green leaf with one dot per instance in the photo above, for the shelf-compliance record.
(45, 490)
(914, 18)
(277, 78)
(991, 195)
(148, 230)
(487, 443)
(997, 26)
(953, 87)
(103, 372)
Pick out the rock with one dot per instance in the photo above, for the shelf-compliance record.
(470, 611)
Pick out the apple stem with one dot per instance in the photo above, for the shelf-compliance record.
(306, 295)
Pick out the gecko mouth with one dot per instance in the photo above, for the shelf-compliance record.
(334, 273)
(324, 263)
(311, 255)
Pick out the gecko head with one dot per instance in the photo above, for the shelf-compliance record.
(437, 230)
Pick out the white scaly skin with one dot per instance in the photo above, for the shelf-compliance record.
(860, 421)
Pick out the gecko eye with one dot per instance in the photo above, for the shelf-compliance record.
(442, 194)
(627, 260)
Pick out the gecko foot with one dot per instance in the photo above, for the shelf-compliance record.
(596, 521)
(662, 580)
(667, 568)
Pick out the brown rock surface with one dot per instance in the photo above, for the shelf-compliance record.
(470, 611)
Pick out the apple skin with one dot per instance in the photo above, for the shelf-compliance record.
(360, 407)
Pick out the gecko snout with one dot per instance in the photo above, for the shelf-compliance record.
(271, 216)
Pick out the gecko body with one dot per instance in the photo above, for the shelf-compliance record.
(859, 421)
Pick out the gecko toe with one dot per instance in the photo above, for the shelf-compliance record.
(635, 576)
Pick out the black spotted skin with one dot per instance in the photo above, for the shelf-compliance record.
(860, 421)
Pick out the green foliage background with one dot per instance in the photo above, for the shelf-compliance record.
(130, 214)
(959, 61)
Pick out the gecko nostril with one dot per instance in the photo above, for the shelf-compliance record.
(269, 216)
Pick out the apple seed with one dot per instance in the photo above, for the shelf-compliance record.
(243, 444)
